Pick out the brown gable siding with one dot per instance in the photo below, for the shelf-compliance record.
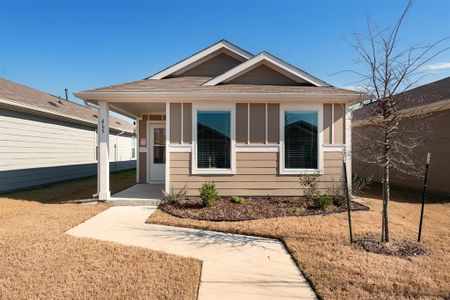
(241, 123)
(273, 124)
(175, 123)
(339, 124)
(187, 123)
(263, 75)
(215, 66)
(142, 167)
(327, 121)
(257, 123)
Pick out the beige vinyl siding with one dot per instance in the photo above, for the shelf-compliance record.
(262, 74)
(257, 123)
(213, 67)
(256, 174)
(175, 123)
(339, 124)
(327, 121)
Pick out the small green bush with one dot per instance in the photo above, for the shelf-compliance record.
(237, 199)
(208, 193)
(295, 211)
(323, 201)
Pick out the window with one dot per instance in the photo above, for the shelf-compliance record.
(301, 136)
(213, 139)
(159, 145)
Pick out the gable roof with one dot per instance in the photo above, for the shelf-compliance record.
(202, 56)
(435, 95)
(192, 87)
(273, 62)
(24, 97)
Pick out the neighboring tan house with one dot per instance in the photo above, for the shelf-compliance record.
(250, 123)
(431, 102)
(46, 139)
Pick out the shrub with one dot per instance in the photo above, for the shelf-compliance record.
(237, 199)
(295, 211)
(359, 183)
(309, 183)
(208, 193)
(173, 195)
(322, 201)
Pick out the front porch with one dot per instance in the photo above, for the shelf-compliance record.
(139, 194)
(150, 152)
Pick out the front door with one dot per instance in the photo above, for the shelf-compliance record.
(157, 151)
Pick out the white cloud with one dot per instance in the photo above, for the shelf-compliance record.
(437, 66)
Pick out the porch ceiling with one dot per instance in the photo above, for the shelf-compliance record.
(136, 109)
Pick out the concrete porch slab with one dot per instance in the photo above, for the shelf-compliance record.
(139, 194)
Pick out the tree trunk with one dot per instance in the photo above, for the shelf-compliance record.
(386, 188)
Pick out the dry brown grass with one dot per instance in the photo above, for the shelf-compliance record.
(38, 260)
(75, 190)
(339, 271)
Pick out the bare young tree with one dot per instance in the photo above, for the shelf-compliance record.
(390, 70)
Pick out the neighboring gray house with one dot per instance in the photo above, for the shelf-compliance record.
(431, 100)
(46, 139)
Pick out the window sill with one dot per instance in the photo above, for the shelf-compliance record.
(213, 172)
(301, 172)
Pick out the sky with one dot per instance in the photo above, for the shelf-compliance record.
(84, 44)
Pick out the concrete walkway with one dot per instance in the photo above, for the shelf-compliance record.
(138, 195)
(234, 266)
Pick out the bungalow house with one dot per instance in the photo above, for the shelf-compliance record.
(431, 104)
(45, 139)
(250, 123)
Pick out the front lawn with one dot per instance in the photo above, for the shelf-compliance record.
(39, 261)
(338, 270)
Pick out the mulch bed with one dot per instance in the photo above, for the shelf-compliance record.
(396, 247)
(252, 209)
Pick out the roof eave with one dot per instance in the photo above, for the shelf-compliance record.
(196, 97)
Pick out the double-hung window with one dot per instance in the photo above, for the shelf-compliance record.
(301, 135)
(213, 140)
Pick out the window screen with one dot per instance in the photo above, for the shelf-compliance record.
(300, 139)
(213, 140)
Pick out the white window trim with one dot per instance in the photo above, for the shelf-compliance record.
(214, 107)
(302, 108)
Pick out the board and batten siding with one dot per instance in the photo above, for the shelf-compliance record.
(256, 175)
(36, 150)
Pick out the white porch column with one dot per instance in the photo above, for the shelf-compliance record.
(348, 145)
(167, 179)
(103, 151)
